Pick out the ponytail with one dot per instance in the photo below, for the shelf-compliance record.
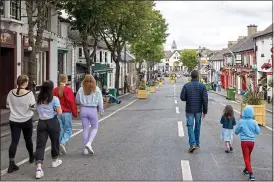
(61, 90)
(20, 81)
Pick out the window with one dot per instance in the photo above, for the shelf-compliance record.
(106, 57)
(101, 57)
(2, 5)
(80, 52)
(15, 9)
(48, 21)
(59, 28)
(95, 58)
(41, 68)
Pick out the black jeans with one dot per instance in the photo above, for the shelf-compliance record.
(47, 128)
(27, 128)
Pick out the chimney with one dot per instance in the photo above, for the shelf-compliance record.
(251, 29)
(231, 43)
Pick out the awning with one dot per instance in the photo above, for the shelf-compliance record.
(63, 51)
(82, 64)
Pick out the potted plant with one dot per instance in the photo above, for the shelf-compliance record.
(266, 66)
(153, 87)
(142, 92)
(254, 98)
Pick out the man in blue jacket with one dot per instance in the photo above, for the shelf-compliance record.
(196, 97)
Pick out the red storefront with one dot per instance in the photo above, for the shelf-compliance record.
(224, 78)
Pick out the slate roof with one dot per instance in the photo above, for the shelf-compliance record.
(74, 35)
(268, 30)
(219, 56)
(248, 44)
(236, 46)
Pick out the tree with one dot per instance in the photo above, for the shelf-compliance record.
(87, 17)
(38, 12)
(125, 20)
(149, 45)
(189, 59)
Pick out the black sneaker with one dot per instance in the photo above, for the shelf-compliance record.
(251, 177)
(119, 102)
(231, 149)
(245, 172)
(227, 151)
(191, 149)
(31, 159)
(12, 167)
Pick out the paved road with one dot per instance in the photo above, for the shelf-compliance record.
(147, 140)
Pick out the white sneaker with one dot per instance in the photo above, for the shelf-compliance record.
(56, 163)
(39, 173)
(85, 151)
(89, 148)
(62, 149)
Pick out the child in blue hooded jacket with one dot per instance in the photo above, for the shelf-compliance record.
(248, 128)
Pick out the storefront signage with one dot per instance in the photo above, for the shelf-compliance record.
(203, 60)
(45, 43)
(7, 37)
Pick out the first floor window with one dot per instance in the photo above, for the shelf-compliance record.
(15, 9)
(2, 5)
(41, 68)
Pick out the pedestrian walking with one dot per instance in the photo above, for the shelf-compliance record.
(196, 97)
(21, 103)
(219, 84)
(248, 128)
(69, 108)
(228, 121)
(89, 96)
(48, 107)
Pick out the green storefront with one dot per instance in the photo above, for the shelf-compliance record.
(100, 73)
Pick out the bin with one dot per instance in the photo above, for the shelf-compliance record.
(113, 91)
(230, 94)
(208, 86)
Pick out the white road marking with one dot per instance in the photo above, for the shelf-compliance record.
(177, 110)
(4, 171)
(186, 171)
(76, 124)
(240, 113)
(175, 101)
(215, 160)
(180, 129)
(74, 129)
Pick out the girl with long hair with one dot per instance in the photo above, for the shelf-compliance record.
(89, 96)
(228, 121)
(21, 103)
(48, 107)
(68, 104)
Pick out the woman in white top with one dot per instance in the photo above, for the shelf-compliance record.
(21, 103)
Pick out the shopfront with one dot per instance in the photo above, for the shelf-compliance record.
(8, 64)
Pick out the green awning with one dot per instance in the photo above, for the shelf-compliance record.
(101, 68)
(62, 51)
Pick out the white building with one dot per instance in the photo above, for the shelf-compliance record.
(263, 46)
(172, 59)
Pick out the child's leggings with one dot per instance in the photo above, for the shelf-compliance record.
(247, 147)
(89, 116)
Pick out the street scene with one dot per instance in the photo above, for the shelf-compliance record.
(136, 90)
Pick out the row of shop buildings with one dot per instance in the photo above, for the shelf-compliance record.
(247, 61)
(61, 53)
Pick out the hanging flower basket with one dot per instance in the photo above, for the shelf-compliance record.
(266, 66)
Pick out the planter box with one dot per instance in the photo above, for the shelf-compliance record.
(259, 113)
(172, 81)
(153, 89)
(142, 94)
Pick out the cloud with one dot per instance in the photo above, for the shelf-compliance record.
(212, 23)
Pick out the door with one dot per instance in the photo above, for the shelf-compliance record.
(60, 65)
(7, 70)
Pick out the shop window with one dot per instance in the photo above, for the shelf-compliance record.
(101, 57)
(48, 21)
(59, 28)
(106, 57)
(2, 5)
(80, 50)
(15, 9)
(41, 68)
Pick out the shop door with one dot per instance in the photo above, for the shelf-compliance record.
(60, 65)
(7, 70)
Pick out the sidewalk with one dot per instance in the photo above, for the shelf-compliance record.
(269, 107)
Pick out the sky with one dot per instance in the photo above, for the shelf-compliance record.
(212, 24)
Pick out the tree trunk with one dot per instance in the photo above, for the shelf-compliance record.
(84, 37)
(117, 75)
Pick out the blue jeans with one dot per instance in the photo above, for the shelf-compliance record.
(193, 128)
(113, 98)
(65, 121)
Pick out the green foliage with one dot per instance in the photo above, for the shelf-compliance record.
(142, 85)
(189, 58)
(253, 96)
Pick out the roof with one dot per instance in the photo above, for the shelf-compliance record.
(129, 57)
(268, 30)
(236, 46)
(248, 44)
(74, 35)
(219, 56)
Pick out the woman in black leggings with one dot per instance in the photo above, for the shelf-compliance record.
(21, 103)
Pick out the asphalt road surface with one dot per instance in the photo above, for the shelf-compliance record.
(147, 140)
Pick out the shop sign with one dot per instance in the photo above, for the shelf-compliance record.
(7, 37)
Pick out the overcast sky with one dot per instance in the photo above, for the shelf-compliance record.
(212, 23)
